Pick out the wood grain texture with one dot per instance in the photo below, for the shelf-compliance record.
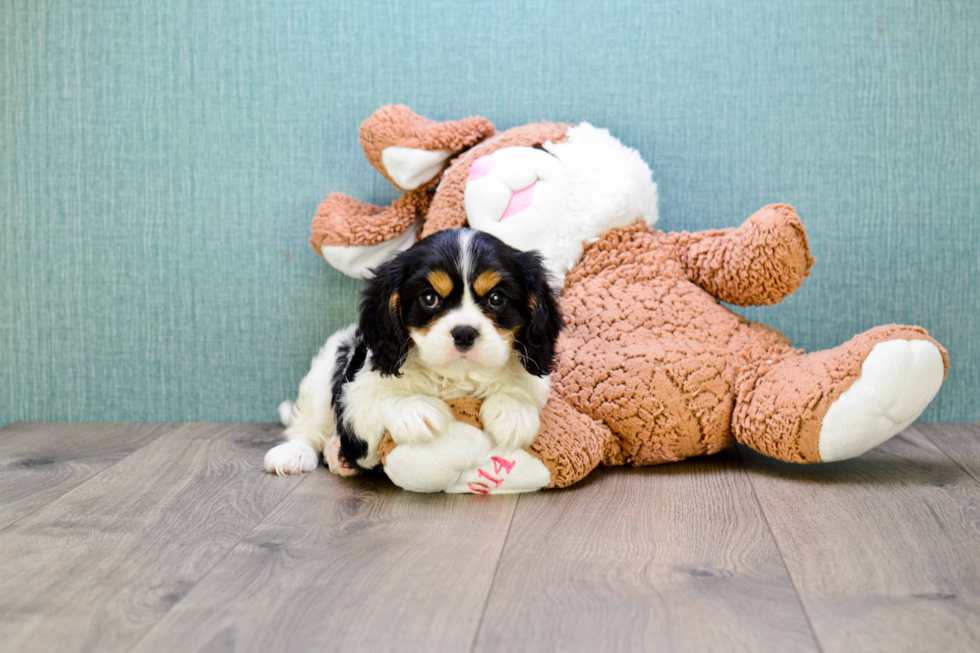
(883, 549)
(41, 461)
(675, 558)
(348, 564)
(960, 441)
(95, 568)
(185, 544)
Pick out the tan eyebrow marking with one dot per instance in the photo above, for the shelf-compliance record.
(441, 282)
(486, 282)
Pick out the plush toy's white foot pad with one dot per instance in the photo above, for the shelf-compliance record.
(293, 457)
(463, 459)
(898, 380)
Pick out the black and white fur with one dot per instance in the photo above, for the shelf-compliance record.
(458, 314)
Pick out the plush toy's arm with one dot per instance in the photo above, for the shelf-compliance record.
(756, 264)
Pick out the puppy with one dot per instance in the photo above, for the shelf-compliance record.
(458, 314)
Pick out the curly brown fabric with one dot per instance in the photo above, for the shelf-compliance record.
(569, 443)
(757, 264)
(343, 220)
(659, 379)
(399, 126)
(675, 374)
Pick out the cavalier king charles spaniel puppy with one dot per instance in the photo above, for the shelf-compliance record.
(459, 314)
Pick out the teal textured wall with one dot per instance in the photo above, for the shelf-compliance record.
(161, 162)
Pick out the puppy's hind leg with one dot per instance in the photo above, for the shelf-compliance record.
(310, 421)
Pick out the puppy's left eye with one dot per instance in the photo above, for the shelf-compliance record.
(496, 299)
(429, 299)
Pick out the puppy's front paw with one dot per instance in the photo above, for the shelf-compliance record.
(510, 423)
(292, 457)
(418, 419)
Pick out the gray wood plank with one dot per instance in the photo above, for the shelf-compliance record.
(41, 461)
(958, 440)
(676, 557)
(348, 564)
(883, 549)
(95, 568)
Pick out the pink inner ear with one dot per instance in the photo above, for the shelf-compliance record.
(481, 167)
(519, 201)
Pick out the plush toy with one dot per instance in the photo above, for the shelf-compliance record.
(652, 368)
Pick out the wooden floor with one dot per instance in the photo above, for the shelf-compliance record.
(169, 537)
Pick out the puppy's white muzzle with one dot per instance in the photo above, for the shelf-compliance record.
(464, 338)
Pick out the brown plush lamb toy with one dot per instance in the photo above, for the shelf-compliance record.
(652, 368)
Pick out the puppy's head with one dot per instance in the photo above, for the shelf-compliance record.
(466, 302)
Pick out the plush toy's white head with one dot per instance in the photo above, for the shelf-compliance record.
(544, 186)
(559, 198)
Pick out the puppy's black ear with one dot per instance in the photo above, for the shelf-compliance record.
(537, 340)
(381, 318)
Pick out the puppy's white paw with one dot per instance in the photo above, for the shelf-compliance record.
(510, 423)
(293, 457)
(418, 418)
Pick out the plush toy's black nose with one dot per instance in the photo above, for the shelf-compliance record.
(464, 337)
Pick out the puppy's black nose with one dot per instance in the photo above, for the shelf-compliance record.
(464, 337)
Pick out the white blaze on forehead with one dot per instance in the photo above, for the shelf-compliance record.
(468, 313)
(465, 257)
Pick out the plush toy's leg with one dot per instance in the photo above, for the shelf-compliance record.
(463, 459)
(839, 403)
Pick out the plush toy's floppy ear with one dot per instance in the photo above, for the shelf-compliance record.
(342, 221)
(537, 340)
(381, 319)
(409, 150)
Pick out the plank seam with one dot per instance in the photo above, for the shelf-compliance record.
(924, 433)
(96, 474)
(493, 580)
(779, 550)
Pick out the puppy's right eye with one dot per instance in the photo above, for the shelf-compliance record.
(429, 300)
